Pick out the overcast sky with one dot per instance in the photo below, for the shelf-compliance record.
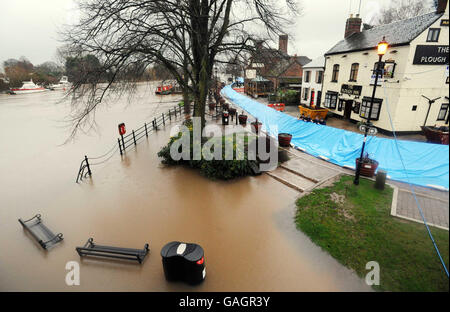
(29, 27)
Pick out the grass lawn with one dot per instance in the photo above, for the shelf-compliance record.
(354, 225)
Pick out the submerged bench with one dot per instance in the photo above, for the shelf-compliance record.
(94, 250)
(42, 234)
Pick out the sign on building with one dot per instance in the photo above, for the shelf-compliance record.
(431, 55)
(379, 82)
(250, 73)
(351, 89)
(257, 65)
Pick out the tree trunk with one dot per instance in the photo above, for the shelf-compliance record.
(186, 99)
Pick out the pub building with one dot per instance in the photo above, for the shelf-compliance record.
(415, 65)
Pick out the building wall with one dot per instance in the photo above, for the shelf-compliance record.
(428, 80)
(295, 70)
(312, 85)
(399, 93)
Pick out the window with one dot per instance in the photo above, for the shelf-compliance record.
(305, 94)
(356, 107)
(319, 76)
(354, 72)
(433, 34)
(443, 112)
(365, 107)
(340, 105)
(331, 99)
(335, 76)
(414, 108)
(308, 76)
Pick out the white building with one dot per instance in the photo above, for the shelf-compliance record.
(312, 82)
(415, 65)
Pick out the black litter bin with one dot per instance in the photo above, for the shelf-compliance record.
(225, 118)
(183, 262)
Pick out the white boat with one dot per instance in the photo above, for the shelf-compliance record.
(62, 84)
(28, 87)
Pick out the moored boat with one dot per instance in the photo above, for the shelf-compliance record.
(28, 87)
(62, 84)
(163, 90)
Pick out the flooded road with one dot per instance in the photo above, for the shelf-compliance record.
(245, 226)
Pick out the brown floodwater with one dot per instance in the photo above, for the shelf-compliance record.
(245, 226)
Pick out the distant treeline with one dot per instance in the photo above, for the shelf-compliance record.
(18, 70)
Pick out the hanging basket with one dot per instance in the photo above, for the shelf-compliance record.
(243, 120)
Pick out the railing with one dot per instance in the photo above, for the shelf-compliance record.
(125, 142)
(83, 167)
(133, 138)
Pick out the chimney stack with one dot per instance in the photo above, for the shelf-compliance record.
(283, 43)
(442, 5)
(353, 25)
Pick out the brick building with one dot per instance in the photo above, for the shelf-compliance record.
(283, 70)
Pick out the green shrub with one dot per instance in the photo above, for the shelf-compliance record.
(213, 169)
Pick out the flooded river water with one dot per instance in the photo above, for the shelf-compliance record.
(246, 226)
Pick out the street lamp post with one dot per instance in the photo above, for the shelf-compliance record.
(217, 95)
(381, 50)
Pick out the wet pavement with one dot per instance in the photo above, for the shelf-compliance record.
(340, 123)
(246, 226)
(303, 169)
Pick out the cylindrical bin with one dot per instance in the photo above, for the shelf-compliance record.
(225, 118)
(184, 262)
(284, 139)
(380, 180)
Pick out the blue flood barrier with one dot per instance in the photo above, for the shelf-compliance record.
(426, 164)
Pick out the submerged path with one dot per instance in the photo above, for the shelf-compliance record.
(426, 164)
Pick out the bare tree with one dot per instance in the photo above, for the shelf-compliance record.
(187, 37)
(402, 9)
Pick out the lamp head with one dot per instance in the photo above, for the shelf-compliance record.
(382, 47)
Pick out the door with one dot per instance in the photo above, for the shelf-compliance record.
(348, 109)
